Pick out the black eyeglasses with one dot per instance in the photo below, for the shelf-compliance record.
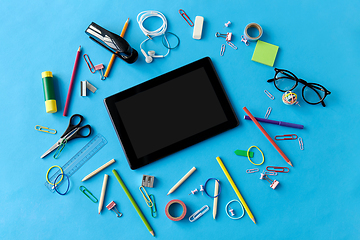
(312, 93)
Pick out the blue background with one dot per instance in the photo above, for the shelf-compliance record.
(318, 199)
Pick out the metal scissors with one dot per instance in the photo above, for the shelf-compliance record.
(72, 132)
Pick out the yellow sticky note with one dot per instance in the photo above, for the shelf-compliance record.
(265, 53)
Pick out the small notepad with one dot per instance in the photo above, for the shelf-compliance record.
(265, 53)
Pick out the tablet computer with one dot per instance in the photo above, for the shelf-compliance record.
(170, 112)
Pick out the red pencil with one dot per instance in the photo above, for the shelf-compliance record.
(72, 82)
(267, 136)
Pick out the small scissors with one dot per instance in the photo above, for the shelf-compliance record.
(72, 132)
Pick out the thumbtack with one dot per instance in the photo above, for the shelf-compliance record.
(244, 40)
(201, 189)
(193, 192)
(112, 206)
(231, 212)
(227, 24)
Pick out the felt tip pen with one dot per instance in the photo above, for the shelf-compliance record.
(285, 124)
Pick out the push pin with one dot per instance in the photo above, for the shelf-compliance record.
(227, 24)
(112, 206)
(202, 189)
(244, 40)
(231, 212)
(100, 68)
(193, 192)
(227, 36)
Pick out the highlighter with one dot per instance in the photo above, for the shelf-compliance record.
(49, 92)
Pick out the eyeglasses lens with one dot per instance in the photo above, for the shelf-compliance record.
(285, 81)
(314, 94)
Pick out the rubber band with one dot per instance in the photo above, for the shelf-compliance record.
(67, 186)
(47, 175)
(261, 154)
(168, 47)
(226, 209)
(205, 187)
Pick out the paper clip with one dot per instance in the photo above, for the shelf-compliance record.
(244, 40)
(273, 184)
(231, 45)
(146, 196)
(227, 24)
(186, 17)
(227, 36)
(269, 94)
(153, 208)
(286, 137)
(271, 173)
(222, 50)
(268, 112)
(254, 170)
(199, 213)
(301, 144)
(47, 130)
(194, 191)
(112, 206)
(277, 169)
(89, 63)
(91, 196)
(100, 67)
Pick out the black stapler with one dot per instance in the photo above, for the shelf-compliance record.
(112, 42)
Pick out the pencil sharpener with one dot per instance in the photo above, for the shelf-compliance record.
(112, 42)
(148, 181)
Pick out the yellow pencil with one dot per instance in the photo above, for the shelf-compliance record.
(247, 209)
(114, 56)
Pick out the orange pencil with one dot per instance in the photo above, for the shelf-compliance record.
(114, 56)
(267, 136)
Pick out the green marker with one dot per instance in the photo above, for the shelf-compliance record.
(49, 92)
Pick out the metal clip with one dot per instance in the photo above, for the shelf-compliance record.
(277, 169)
(274, 184)
(47, 130)
(91, 196)
(186, 17)
(269, 94)
(146, 196)
(244, 40)
(301, 144)
(153, 208)
(254, 170)
(268, 112)
(199, 213)
(232, 45)
(112, 206)
(222, 50)
(100, 67)
(89, 63)
(227, 36)
(286, 137)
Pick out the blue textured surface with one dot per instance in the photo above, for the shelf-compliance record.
(317, 199)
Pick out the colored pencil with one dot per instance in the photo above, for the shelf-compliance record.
(181, 180)
(114, 56)
(215, 199)
(242, 200)
(128, 194)
(267, 136)
(98, 170)
(72, 82)
(103, 190)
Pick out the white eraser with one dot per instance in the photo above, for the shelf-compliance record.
(198, 26)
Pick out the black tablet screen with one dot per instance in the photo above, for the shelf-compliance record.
(170, 112)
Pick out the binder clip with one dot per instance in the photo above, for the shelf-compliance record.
(194, 191)
(227, 24)
(244, 40)
(112, 42)
(227, 36)
(273, 183)
(199, 213)
(112, 206)
(148, 181)
(100, 67)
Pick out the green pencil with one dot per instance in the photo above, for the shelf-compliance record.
(128, 194)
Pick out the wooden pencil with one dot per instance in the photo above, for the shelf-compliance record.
(181, 180)
(98, 170)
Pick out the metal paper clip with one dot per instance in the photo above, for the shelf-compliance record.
(286, 137)
(47, 130)
(91, 196)
(199, 213)
(244, 40)
(100, 67)
(301, 144)
(277, 169)
(112, 206)
(232, 45)
(271, 173)
(222, 50)
(227, 36)
(268, 112)
(194, 191)
(269, 94)
(153, 208)
(254, 170)
(146, 196)
(148, 181)
(227, 24)
(186, 17)
(89, 63)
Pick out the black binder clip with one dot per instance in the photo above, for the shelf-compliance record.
(112, 42)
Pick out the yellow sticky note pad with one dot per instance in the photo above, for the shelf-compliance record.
(265, 53)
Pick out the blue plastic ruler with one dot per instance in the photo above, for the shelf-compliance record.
(78, 160)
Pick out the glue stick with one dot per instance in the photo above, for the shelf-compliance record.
(49, 92)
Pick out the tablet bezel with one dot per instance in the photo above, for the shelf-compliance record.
(133, 160)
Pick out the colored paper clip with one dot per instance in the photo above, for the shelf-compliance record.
(222, 50)
(277, 169)
(100, 67)
(89, 63)
(91, 196)
(301, 144)
(231, 45)
(227, 36)
(186, 17)
(254, 170)
(199, 213)
(47, 130)
(269, 94)
(268, 112)
(112, 206)
(286, 137)
(153, 208)
(146, 196)
(271, 173)
(244, 40)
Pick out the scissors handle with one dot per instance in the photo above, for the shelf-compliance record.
(72, 126)
(78, 132)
